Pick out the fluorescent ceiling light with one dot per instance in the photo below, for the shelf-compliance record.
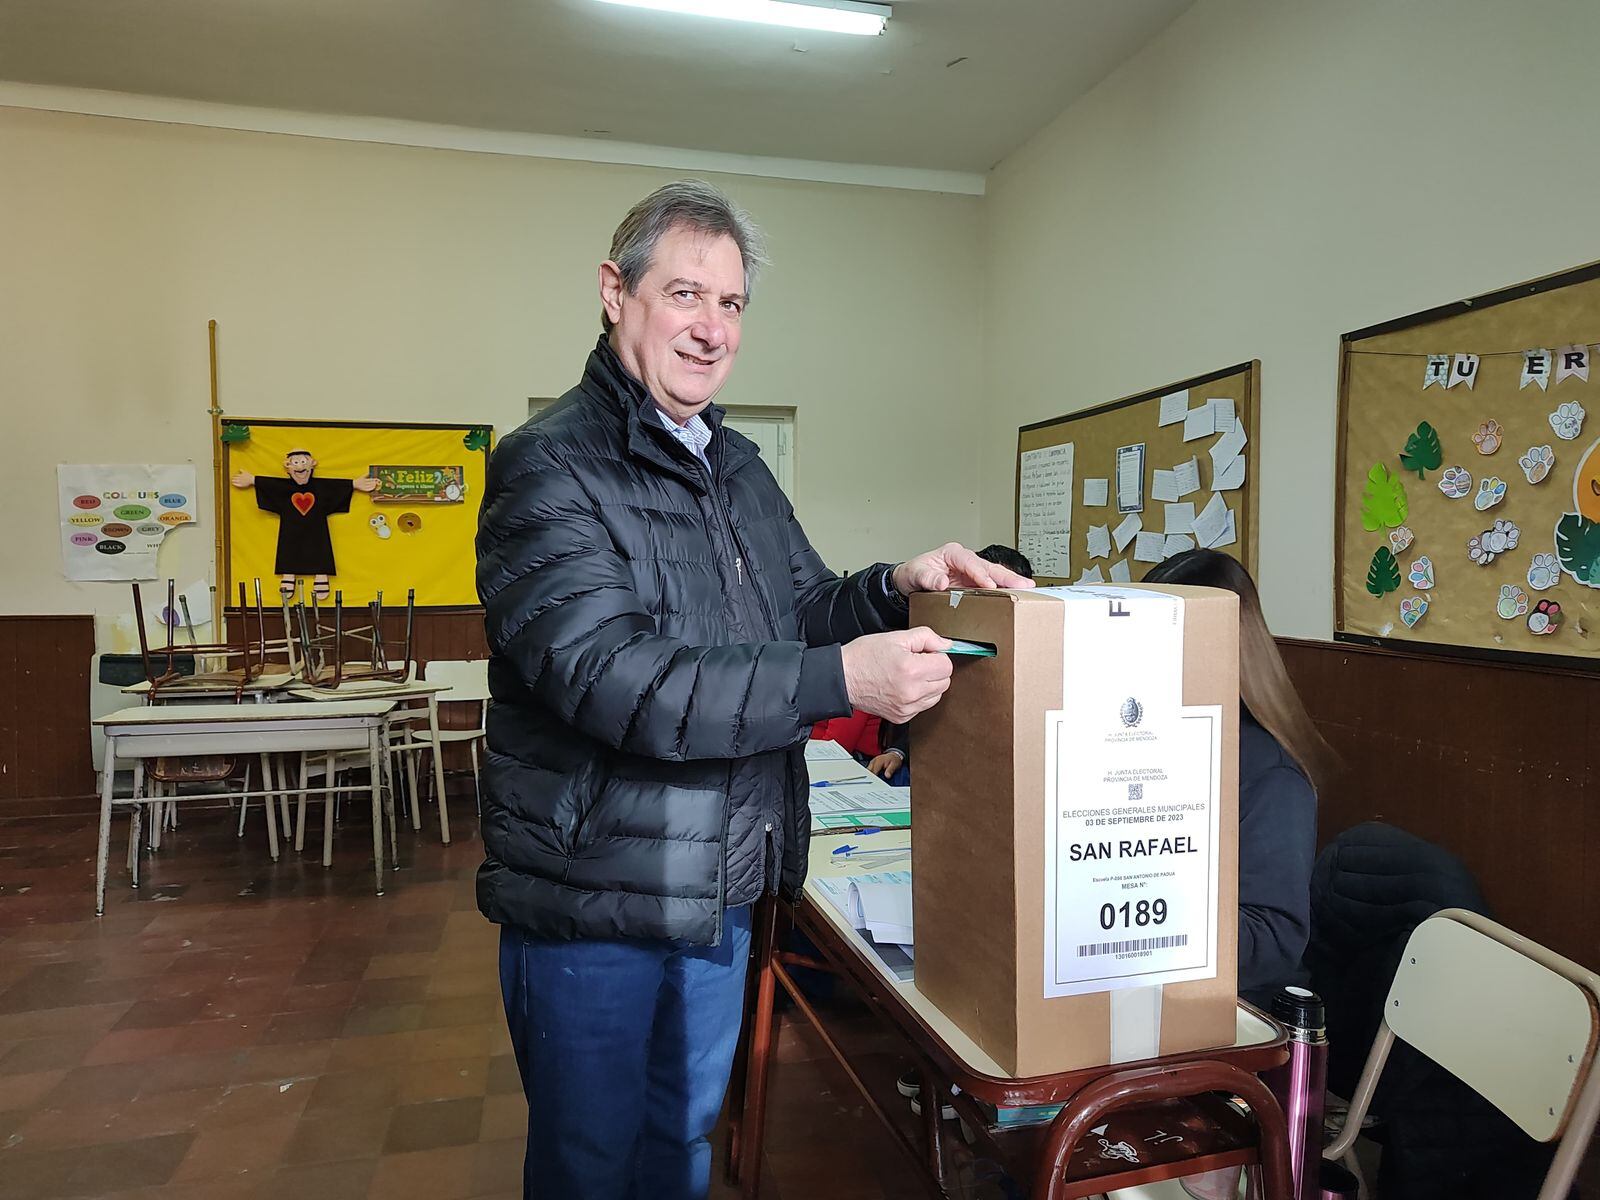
(828, 16)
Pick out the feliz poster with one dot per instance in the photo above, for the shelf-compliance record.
(114, 517)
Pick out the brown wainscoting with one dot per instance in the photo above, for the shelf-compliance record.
(1495, 763)
(44, 707)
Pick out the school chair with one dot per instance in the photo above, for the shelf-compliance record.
(468, 681)
(1512, 1020)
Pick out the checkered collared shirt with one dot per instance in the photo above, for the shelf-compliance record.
(695, 435)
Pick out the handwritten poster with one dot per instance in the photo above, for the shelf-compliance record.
(1044, 507)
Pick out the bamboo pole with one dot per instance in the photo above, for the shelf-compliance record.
(219, 497)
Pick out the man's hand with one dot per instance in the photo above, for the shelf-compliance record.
(896, 675)
(886, 764)
(243, 479)
(367, 483)
(952, 565)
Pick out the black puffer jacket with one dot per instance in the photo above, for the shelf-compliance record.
(660, 645)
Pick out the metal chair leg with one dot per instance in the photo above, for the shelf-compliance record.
(300, 814)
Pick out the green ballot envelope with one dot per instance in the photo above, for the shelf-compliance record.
(971, 649)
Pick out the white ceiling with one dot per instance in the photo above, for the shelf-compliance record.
(578, 68)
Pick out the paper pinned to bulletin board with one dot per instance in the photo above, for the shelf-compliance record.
(1469, 476)
(114, 517)
(414, 529)
(1105, 494)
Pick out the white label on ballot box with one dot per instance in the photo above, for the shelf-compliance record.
(1131, 786)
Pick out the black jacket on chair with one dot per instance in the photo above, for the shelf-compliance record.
(661, 641)
(1371, 887)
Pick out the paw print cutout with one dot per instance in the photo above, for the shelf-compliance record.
(1567, 420)
(1545, 618)
(1400, 539)
(1536, 463)
(1502, 536)
(1422, 573)
(1544, 572)
(1487, 439)
(1456, 482)
(1412, 610)
(1491, 490)
(1513, 602)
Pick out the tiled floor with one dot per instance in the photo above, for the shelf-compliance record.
(242, 1029)
(237, 1029)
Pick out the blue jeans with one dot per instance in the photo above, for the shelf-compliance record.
(624, 1048)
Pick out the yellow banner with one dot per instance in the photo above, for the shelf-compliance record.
(393, 546)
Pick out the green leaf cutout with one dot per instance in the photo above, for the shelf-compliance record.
(232, 432)
(1383, 500)
(1383, 576)
(477, 438)
(1578, 548)
(1422, 452)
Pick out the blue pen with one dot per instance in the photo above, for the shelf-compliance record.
(839, 782)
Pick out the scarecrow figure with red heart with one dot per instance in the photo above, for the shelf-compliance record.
(303, 505)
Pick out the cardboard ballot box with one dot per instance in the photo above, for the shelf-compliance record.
(1074, 837)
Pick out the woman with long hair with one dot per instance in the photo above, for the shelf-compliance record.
(1282, 759)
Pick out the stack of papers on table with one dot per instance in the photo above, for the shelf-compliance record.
(845, 795)
(879, 905)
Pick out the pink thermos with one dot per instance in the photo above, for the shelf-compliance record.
(1301, 1083)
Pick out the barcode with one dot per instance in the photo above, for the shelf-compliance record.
(1152, 943)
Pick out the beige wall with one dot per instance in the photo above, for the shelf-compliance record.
(1267, 175)
(361, 281)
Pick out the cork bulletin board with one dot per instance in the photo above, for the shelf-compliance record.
(1189, 444)
(1468, 514)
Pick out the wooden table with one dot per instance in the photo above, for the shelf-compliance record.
(155, 731)
(202, 687)
(411, 689)
(1167, 1108)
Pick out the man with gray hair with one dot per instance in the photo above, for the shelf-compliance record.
(662, 638)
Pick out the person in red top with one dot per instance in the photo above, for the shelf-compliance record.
(858, 733)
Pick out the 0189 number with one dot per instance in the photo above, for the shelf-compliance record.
(1145, 912)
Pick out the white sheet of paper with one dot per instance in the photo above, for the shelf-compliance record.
(1229, 534)
(818, 751)
(1092, 575)
(1148, 547)
(1211, 521)
(1127, 531)
(1200, 422)
(1096, 492)
(1120, 572)
(1044, 509)
(1223, 416)
(1174, 407)
(1228, 445)
(1130, 478)
(1180, 518)
(1226, 476)
(1188, 474)
(1099, 542)
(1177, 543)
(1163, 485)
(198, 596)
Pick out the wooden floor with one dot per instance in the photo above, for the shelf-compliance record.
(238, 1029)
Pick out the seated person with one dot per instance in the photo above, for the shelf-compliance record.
(1281, 757)
(858, 733)
(893, 765)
